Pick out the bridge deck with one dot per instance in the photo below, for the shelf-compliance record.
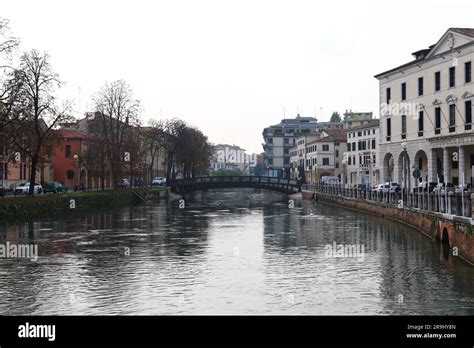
(209, 182)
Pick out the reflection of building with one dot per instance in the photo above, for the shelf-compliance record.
(426, 113)
(362, 162)
(230, 157)
(279, 139)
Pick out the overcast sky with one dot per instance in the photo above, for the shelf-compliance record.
(232, 67)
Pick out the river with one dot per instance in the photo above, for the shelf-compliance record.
(238, 251)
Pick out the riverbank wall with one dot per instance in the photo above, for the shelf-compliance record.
(457, 231)
(26, 207)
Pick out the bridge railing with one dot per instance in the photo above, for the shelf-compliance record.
(281, 183)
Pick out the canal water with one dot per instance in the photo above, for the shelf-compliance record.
(230, 252)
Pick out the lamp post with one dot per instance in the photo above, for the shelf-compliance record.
(76, 159)
(404, 149)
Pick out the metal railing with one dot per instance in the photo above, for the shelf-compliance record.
(441, 202)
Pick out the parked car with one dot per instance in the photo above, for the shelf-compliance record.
(124, 183)
(54, 187)
(24, 189)
(2, 191)
(391, 187)
(442, 189)
(179, 176)
(158, 181)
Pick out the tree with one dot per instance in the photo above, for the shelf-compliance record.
(185, 147)
(39, 114)
(335, 117)
(167, 133)
(118, 112)
(95, 158)
(9, 87)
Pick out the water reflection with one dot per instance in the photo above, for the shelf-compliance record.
(230, 252)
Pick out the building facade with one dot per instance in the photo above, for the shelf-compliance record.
(230, 157)
(318, 154)
(279, 139)
(355, 119)
(426, 114)
(361, 161)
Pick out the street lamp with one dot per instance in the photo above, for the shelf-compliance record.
(76, 159)
(404, 149)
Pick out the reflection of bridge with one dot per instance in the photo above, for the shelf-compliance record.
(288, 186)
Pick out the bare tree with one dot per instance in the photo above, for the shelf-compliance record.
(9, 87)
(118, 113)
(40, 114)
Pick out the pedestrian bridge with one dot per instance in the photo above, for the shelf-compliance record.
(288, 186)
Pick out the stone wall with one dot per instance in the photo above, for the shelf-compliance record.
(457, 229)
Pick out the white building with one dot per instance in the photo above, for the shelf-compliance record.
(320, 154)
(426, 113)
(230, 157)
(361, 159)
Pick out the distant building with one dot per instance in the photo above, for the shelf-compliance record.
(318, 154)
(279, 139)
(355, 119)
(362, 163)
(230, 157)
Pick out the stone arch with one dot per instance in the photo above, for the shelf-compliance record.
(388, 165)
(421, 163)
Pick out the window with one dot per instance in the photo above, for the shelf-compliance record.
(388, 94)
(286, 140)
(325, 147)
(437, 120)
(286, 161)
(373, 131)
(420, 163)
(353, 146)
(350, 161)
(420, 123)
(467, 72)
(452, 117)
(325, 161)
(437, 81)
(286, 151)
(337, 153)
(389, 128)
(468, 114)
(70, 174)
(68, 151)
(270, 140)
(373, 143)
(452, 76)
(404, 91)
(270, 161)
(404, 126)
(420, 86)
(359, 134)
